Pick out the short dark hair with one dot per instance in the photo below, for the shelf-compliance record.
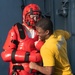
(45, 24)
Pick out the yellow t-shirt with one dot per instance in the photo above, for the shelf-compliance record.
(54, 53)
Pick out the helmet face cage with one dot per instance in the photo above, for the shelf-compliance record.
(31, 9)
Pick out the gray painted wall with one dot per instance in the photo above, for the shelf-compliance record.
(11, 13)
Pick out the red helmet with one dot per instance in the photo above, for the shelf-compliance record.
(31, 9)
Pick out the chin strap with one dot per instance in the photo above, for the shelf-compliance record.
(28, 23)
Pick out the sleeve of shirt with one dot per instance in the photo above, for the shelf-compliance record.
(48, 57)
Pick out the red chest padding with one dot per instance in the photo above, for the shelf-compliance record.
(20, 43)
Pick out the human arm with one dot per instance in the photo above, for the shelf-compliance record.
(21, 55)
(48, 61)
(47, 70)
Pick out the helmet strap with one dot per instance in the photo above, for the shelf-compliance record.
(28, 23)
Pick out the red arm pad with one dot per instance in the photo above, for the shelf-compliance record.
(19, 56)
(6, 55)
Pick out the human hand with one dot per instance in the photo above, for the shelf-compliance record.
(32, 65)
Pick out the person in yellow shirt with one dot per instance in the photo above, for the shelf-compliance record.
(54, 50)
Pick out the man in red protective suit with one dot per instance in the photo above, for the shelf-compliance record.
(19, 47)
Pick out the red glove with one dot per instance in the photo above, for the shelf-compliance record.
(35, 56)
(38, 44)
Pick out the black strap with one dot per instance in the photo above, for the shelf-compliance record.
(18, 67)
(15, 68)
(21, 31)
(27, 57)
(15, 42)
(13, 56)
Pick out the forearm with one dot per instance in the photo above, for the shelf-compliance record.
(45, 70)
(42, 70)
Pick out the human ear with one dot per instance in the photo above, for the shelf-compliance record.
(47, 32)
